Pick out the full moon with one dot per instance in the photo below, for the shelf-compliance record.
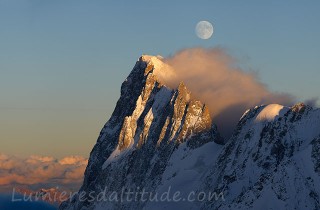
(204, 30)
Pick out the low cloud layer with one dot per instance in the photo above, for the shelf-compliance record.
(41, 171)
(213, 77)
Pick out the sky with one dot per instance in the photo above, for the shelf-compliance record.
(62, 62)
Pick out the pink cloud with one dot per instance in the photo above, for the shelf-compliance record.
(41, 170)
(213, 76)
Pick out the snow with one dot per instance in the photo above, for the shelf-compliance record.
(245, 113)
(162, 98)
(155, 61)
(290, 185)
(115, 155)
(164, 72)
(271, 112)
(184, 173)
(150, 58)
(268, 200)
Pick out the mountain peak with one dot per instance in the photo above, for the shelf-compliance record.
(153, 63)
(161, 71)
(149, 122)
(161, 138)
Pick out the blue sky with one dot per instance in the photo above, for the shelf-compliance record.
(62, 62)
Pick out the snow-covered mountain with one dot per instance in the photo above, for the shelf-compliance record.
(271, 162)
(162, 142)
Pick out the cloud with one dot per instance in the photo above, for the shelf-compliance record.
(41, 171)
(312, 102)
(214, 77)
(73, 160)
(39, 159)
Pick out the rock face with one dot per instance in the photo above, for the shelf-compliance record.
(160, 139)
(148, 126)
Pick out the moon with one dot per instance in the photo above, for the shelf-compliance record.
(204, 29)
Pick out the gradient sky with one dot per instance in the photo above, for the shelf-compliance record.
(62, 62)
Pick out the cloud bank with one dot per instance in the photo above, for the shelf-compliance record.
(213, 77)
(41, 172)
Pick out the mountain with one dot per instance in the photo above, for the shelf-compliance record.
(161, 150)
(271, 162)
